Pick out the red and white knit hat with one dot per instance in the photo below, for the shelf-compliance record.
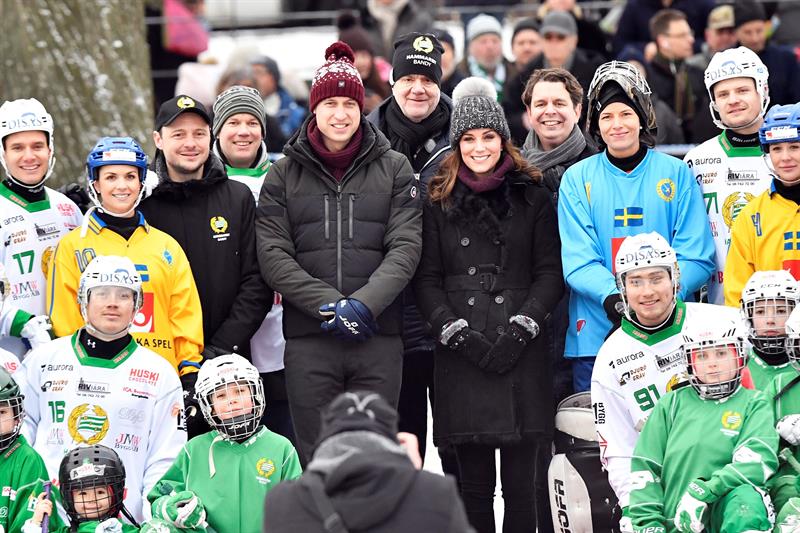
(337, 77)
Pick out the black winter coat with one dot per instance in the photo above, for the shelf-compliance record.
(213, 220)
(378, 492)
(486, 272)
(320, 240)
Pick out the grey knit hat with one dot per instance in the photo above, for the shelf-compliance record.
(475, 106)
(239, 99)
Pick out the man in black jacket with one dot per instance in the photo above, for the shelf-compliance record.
(339, 232)
(213, 219)
(361, 479)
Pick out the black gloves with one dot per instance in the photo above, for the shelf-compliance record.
(193, 417)
(506, 350)
(615, 309)
(210, 352)
(470, 344)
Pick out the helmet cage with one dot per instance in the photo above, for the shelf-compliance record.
(632, 83)
(723, 388)
(15, 403)
(91, 468)
(767, 344)
(242, 425)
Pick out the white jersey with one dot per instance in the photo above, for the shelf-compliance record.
(29, 233)
(729, 177)
(132, 403)
(632, 371)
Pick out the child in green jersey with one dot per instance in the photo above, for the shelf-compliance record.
(233, 467)
(703, 458)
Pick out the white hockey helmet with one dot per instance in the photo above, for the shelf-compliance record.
(230, 372)
(700, 339)
(732, 63)
(778, 293)
(109, 271)
(793, 338)
(26, 114)
(645, 250)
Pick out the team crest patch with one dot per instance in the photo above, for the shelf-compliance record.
(220, 228)
(264, 470)
(666, 189)
(731, 422)
(733, 204)
(88, 424)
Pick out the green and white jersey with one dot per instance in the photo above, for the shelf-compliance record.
(29, 233)
(232, 479)
(762, 373)
(633, 369)
(729, 177)
(22, 478)
(787, 404)
(726, 443)
(132, 403)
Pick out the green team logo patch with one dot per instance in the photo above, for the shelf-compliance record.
(731, 422)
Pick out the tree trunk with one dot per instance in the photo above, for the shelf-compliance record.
(87, 62)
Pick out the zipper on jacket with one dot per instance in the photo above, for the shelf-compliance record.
(339, 236)
(352, 203)
(326, 198)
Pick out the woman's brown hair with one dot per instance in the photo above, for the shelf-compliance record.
(441, 185)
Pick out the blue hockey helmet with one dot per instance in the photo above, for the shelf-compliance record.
(782, 124)
(116, 151)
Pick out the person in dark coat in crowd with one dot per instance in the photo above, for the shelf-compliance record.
(451, 75)
(489, 278)
(677, 83)
(213, 219)
(388, 20)
(590, 36)
(554, 99)
(633, 27)
(339, 232)
(362, 478)
(376, 89)
(784, 72)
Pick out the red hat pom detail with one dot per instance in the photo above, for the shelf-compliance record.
(340, 50)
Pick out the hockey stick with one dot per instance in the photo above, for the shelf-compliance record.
(787, 456)
(46, 518)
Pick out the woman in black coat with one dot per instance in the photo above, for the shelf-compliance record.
(489, 276)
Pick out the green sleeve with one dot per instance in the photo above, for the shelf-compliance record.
(173, 479)
(291, 465)
(646, 505)
(21, 507)
(755, 456)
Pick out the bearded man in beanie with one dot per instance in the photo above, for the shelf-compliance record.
(416, 120)
(339, 231)
(212, 218)
(362, 479)
(240, 129)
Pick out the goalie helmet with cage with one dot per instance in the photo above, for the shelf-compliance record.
(92, 467)
(768, 297)
(12, 410)
(645, 250)
(109, 271)
(231, 396)
(715, 356)
(635, 87)
(115, 151)
(26, 114)
(732, 63)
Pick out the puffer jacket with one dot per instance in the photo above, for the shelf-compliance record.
(320, 240)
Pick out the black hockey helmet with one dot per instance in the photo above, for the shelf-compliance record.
(91, 467)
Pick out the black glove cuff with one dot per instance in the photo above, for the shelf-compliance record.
(614, 307)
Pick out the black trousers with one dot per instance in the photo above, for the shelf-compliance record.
(523, 474)
(277, 416)
(320, 367)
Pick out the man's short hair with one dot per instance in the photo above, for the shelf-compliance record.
(554, 75)
(659, 23)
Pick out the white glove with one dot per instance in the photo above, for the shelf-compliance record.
(790, 524)
(625, 525)
(789, 429)
(689, 514)
(37, 331)
(112, 525)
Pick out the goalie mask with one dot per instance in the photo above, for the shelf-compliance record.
(768, 298)
(105, 272)
(26, 114)
(231, 396)
(715, 357)
(621, 75)
(645, 250)
(92, 483)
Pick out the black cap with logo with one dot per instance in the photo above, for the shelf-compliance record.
(418, 53)
(172, 109)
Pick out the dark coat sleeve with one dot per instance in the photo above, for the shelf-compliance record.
(276, 251)
(254, 299)
(402, 242)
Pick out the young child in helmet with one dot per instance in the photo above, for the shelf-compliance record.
(98, 386)
(704, 456)
(234, 466)
(92, 486)
(22, 471)
(768, 298)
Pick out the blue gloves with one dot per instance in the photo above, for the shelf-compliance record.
(348, 319)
